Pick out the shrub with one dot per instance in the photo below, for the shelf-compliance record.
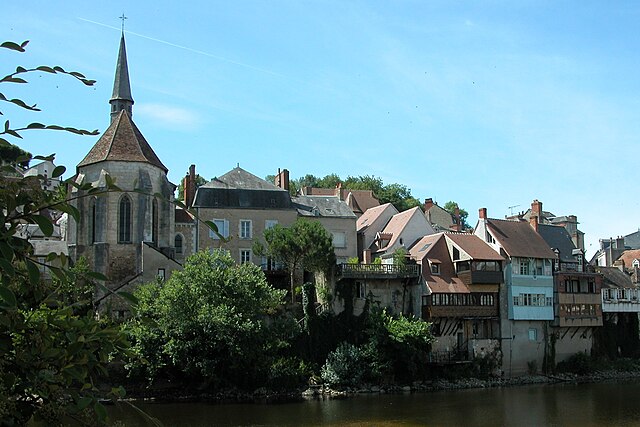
(287, 373)
(579, 364)
(343, 366)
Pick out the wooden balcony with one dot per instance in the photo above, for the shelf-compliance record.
(473, 305)
(378, 271)
(470, 277)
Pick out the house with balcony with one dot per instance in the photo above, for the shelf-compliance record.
(528, 291)
(394, 287)
(461, 278)
(578, 305)
(620, 308)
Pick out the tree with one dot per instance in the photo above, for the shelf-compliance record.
(199, 181)
(210, 322)
(53, 351)
(305, 244)
(451, 207)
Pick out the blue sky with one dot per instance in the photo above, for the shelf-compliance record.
(490, 103)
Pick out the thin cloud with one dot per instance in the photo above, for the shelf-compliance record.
(199, 52)
(169, 116)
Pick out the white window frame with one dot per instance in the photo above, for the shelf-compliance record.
(220, 223)
(532, 334)
(361, 290)
(270, 223)
(435, 268)
(245, 232)
(336, 242)
(241, 256)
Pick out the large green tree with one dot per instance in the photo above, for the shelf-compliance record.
(304, 245)
(210, 323)
(53, 351)
(451, 207)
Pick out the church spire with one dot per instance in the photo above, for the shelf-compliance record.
(121, 98)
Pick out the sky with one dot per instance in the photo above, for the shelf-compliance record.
(487, 103)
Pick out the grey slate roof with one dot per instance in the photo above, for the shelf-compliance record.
(122, 141)
(121, 85)
(241, 189)
(241, 179)
(323, 206)
(632, 241)
(557, 237)
(613, 277)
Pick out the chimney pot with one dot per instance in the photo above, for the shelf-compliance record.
(482, 213)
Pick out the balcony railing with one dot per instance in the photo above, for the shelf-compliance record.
(625, 295)
(378, 271)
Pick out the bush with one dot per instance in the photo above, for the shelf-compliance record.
(288, 373)
(343, 366)
(579, 364)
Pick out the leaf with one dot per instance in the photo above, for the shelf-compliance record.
(35, 126)
(101, 412)
(6, 268)
(8, 296)
(14, 46)
(33, 270)
(129, 297)
(97, 276)
(58, 171)
(45, 224)
(46, 69)
(83, 403)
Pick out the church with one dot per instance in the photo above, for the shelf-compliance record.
(126, 235)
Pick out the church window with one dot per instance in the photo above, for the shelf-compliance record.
(154, 221)
(92, 220)
(124, 220)
(178, 243)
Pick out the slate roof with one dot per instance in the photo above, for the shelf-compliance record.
(632, 240)
(519, 239)
(122, 141)
(239, 178)
(474, 246)
(121, 86)
(613, 277)
(324, 206)
(557, 237)
(358, 200)
(241, 189)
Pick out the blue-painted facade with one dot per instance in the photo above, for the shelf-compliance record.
(523, 286)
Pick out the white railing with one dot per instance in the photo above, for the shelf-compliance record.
(613, 295)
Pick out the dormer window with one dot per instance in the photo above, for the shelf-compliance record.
(435, 267)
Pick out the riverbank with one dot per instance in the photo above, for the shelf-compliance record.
(264, 395)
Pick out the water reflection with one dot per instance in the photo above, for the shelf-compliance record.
(607, 404)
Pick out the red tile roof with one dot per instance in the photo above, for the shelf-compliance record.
(519, 239)
(629, 256)
(474, 246)
(122, 141)
(433, 249)
(370, 216)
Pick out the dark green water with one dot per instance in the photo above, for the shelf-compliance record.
(606, 404)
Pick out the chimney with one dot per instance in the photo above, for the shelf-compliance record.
(456, 220)
(620, 243)
(536, 208)
(482, 213)
(428, 203)
(189, 186)
(339, 190)
(282, 179)
(366, 256)
(533, 221)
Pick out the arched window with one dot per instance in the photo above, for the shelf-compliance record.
(178, 243)
(91, 229)
(154, 222)
(124, 220)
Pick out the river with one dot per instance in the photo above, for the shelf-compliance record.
(602, 404)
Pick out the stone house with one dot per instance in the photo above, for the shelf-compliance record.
(527, 310)
(461, 278)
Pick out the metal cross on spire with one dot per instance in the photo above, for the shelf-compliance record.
(123, 18)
